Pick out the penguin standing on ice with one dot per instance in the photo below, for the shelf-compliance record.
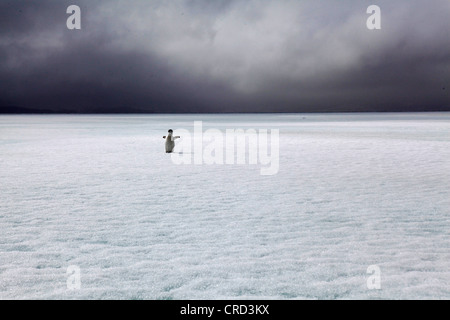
(170, 141)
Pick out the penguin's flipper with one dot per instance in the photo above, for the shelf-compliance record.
(164, 137)
(176, 137)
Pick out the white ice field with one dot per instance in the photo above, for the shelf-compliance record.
(99, 193)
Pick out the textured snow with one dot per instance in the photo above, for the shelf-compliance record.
(100, 193)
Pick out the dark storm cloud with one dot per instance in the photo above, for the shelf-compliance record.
(240, 55)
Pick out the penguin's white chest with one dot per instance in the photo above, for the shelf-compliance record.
(170, 144)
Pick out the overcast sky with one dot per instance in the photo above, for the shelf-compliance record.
(225, 55)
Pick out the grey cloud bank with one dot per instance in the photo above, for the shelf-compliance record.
(225, 56)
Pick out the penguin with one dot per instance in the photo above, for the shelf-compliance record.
(170, 141)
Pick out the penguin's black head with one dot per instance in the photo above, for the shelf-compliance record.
(170, 131)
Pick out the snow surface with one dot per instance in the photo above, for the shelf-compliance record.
(100, 193)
